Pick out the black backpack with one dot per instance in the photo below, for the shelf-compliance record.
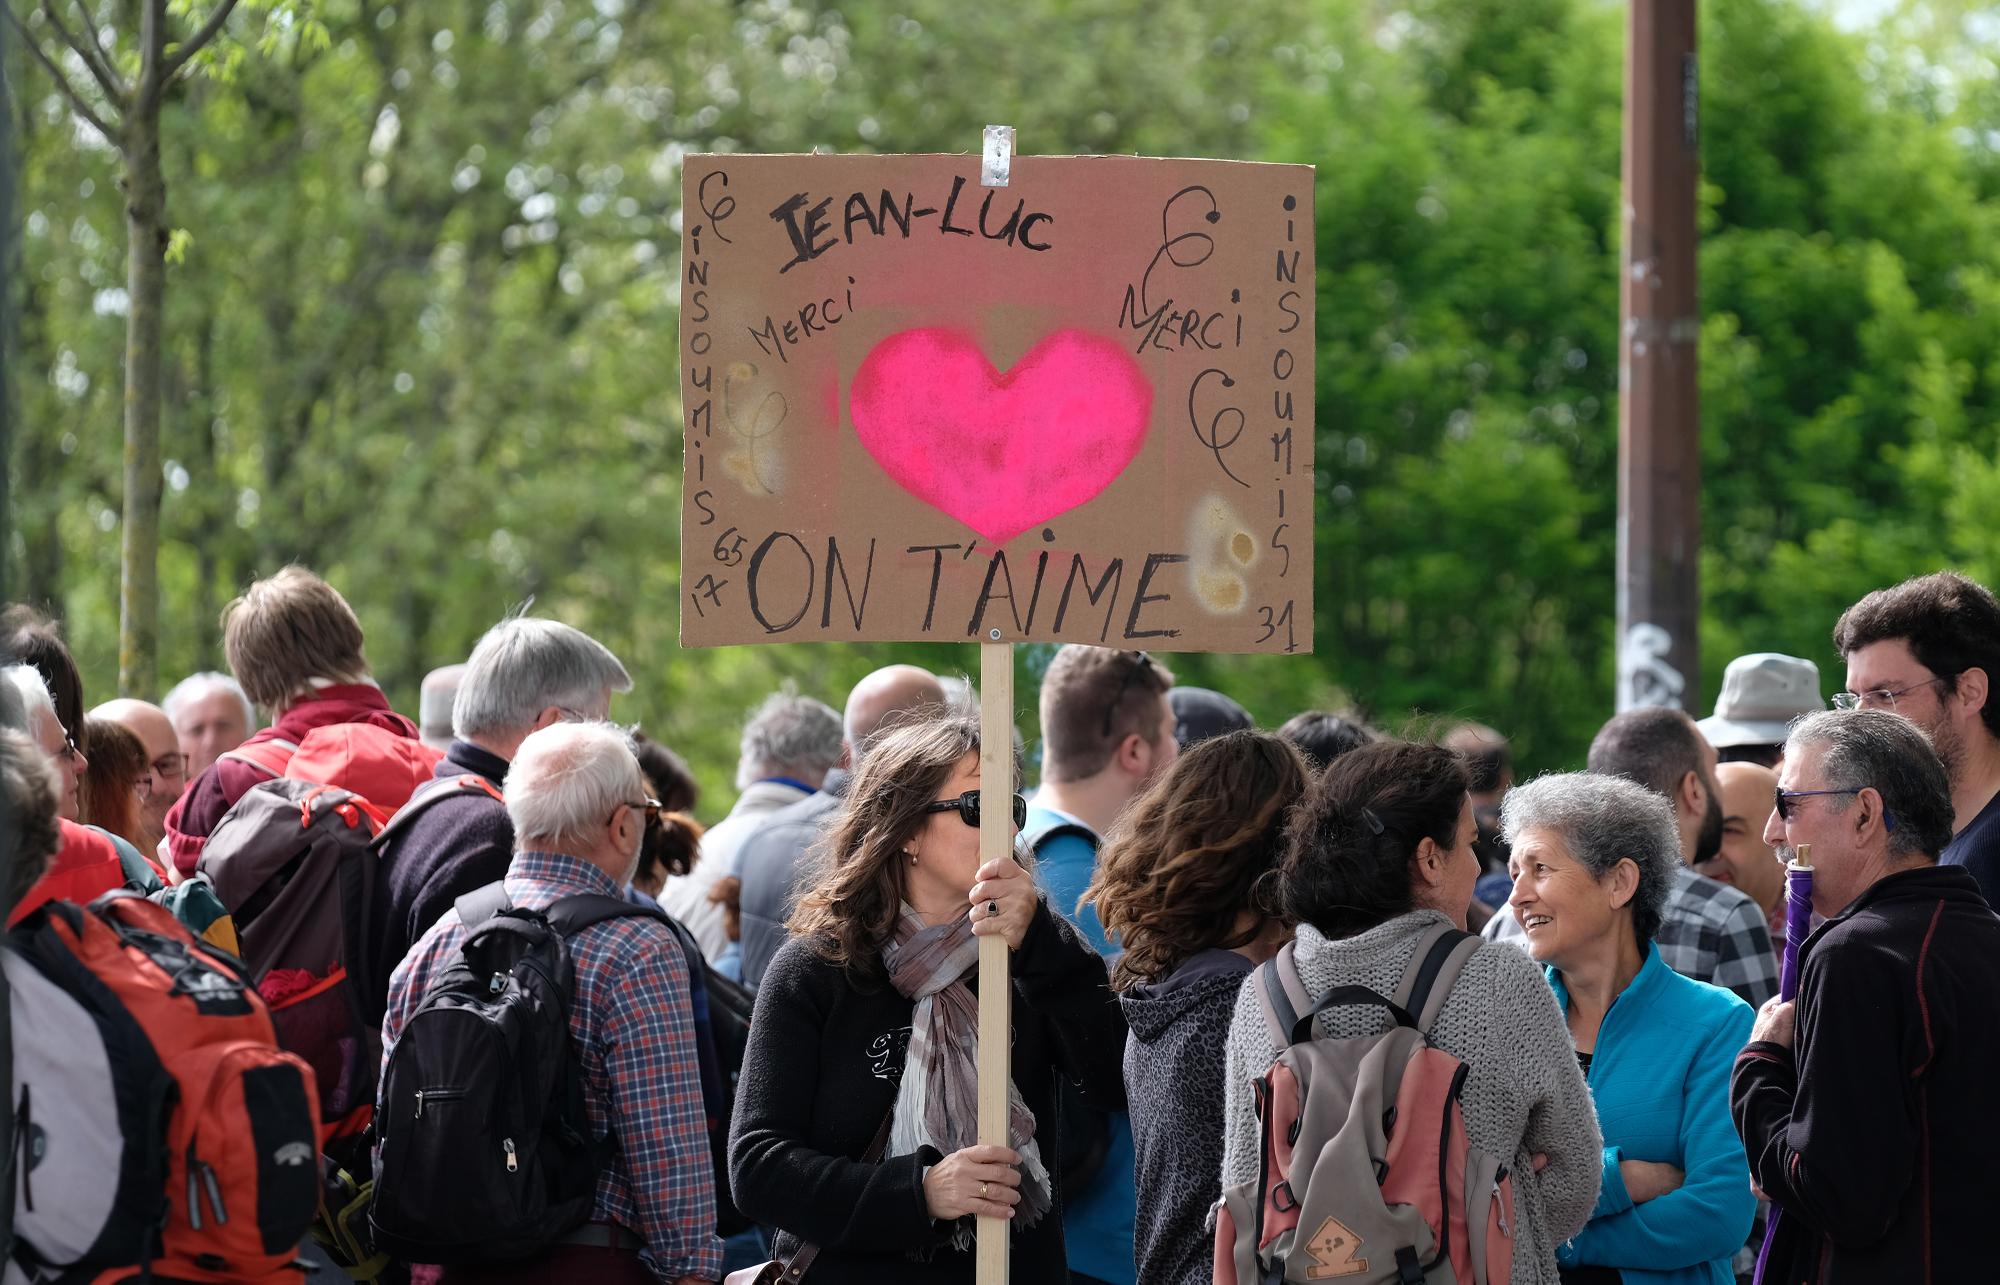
(486, 1152)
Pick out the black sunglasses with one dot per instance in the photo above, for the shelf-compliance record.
(1138, 662)
(1785, 797)
(967, 807)
(648, 809)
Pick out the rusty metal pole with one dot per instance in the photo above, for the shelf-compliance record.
(1659, 427)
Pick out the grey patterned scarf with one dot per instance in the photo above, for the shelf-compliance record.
(937, 1103)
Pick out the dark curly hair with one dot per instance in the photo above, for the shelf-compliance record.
(1357, 828)
(1187, 859)
(1949, 622)
(852, 896)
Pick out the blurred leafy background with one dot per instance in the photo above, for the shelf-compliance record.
(422, 312)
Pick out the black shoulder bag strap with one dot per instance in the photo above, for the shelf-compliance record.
(792, 1270)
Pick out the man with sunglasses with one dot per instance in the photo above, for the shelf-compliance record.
(1107, 730)
(1865, 1107)
(166, 766)
(1929, 650)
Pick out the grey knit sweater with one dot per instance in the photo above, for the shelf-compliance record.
(1523, 1095)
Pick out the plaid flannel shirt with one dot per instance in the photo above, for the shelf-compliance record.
(632, 1019)
(1708, 931)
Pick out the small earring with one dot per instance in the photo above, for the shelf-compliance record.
(911, 855)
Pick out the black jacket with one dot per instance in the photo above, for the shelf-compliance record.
(455, 846)
(824, 1062)
(1876, 1132)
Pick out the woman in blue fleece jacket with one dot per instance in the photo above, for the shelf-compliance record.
(1592, 858)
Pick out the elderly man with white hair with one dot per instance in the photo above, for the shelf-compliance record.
(789, 745)
(211, 715)
(454, 835)
(576, 803)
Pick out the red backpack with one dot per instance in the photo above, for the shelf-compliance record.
(291, 861)
(161, 1125)
(1365, 1173)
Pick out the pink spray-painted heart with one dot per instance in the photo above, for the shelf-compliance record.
(1001, 453)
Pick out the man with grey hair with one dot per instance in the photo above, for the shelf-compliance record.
(789, 745)
(575, 799)
(1709, 931)
(1866, 1106)
(455, 835)
(211, 715)
(769, 859)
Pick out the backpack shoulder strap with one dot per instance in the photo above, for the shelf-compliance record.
(1434, 967)
(571, 915)
(481, 904)
(1035, 838)
(272, 763)
(449, 787)
(1282, 994)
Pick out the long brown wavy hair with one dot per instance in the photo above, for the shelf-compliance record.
(1188, 857)
(855, 890)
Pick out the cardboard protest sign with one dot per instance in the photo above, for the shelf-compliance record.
(1076, 408)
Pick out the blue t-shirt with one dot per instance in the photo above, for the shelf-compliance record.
(1977, 848)
(1098, 1220)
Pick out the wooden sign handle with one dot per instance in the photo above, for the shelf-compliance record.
(996, 839)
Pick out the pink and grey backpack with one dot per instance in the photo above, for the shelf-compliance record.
(1366, 1174)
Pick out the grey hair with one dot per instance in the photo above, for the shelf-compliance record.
(192, 688)
(27, 692)
(1874, 749)
(13, 710)
(29, 797)
(1602, 820)
(522, 666)
(789, 734)
(566, 782)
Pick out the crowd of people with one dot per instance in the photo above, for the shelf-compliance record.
(554, 1028)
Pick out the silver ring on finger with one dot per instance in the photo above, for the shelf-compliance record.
(992, 909)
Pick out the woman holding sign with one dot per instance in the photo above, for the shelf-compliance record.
(856, 1116)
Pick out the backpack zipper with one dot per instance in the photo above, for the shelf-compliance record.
(24, 1130)
(507, 1145)
(434, 1096)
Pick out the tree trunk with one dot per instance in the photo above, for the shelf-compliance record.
(145, 285)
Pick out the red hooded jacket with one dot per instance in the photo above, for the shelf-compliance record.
(196, 813)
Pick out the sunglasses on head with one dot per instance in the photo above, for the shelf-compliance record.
(1136, 663)
(967, 807)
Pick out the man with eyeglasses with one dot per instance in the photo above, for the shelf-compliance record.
(1866, 1106)
(166, 766)
(1929, 650)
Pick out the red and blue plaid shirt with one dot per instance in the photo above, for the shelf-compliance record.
(632, 1019)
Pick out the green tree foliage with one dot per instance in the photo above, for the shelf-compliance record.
(421, 327)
